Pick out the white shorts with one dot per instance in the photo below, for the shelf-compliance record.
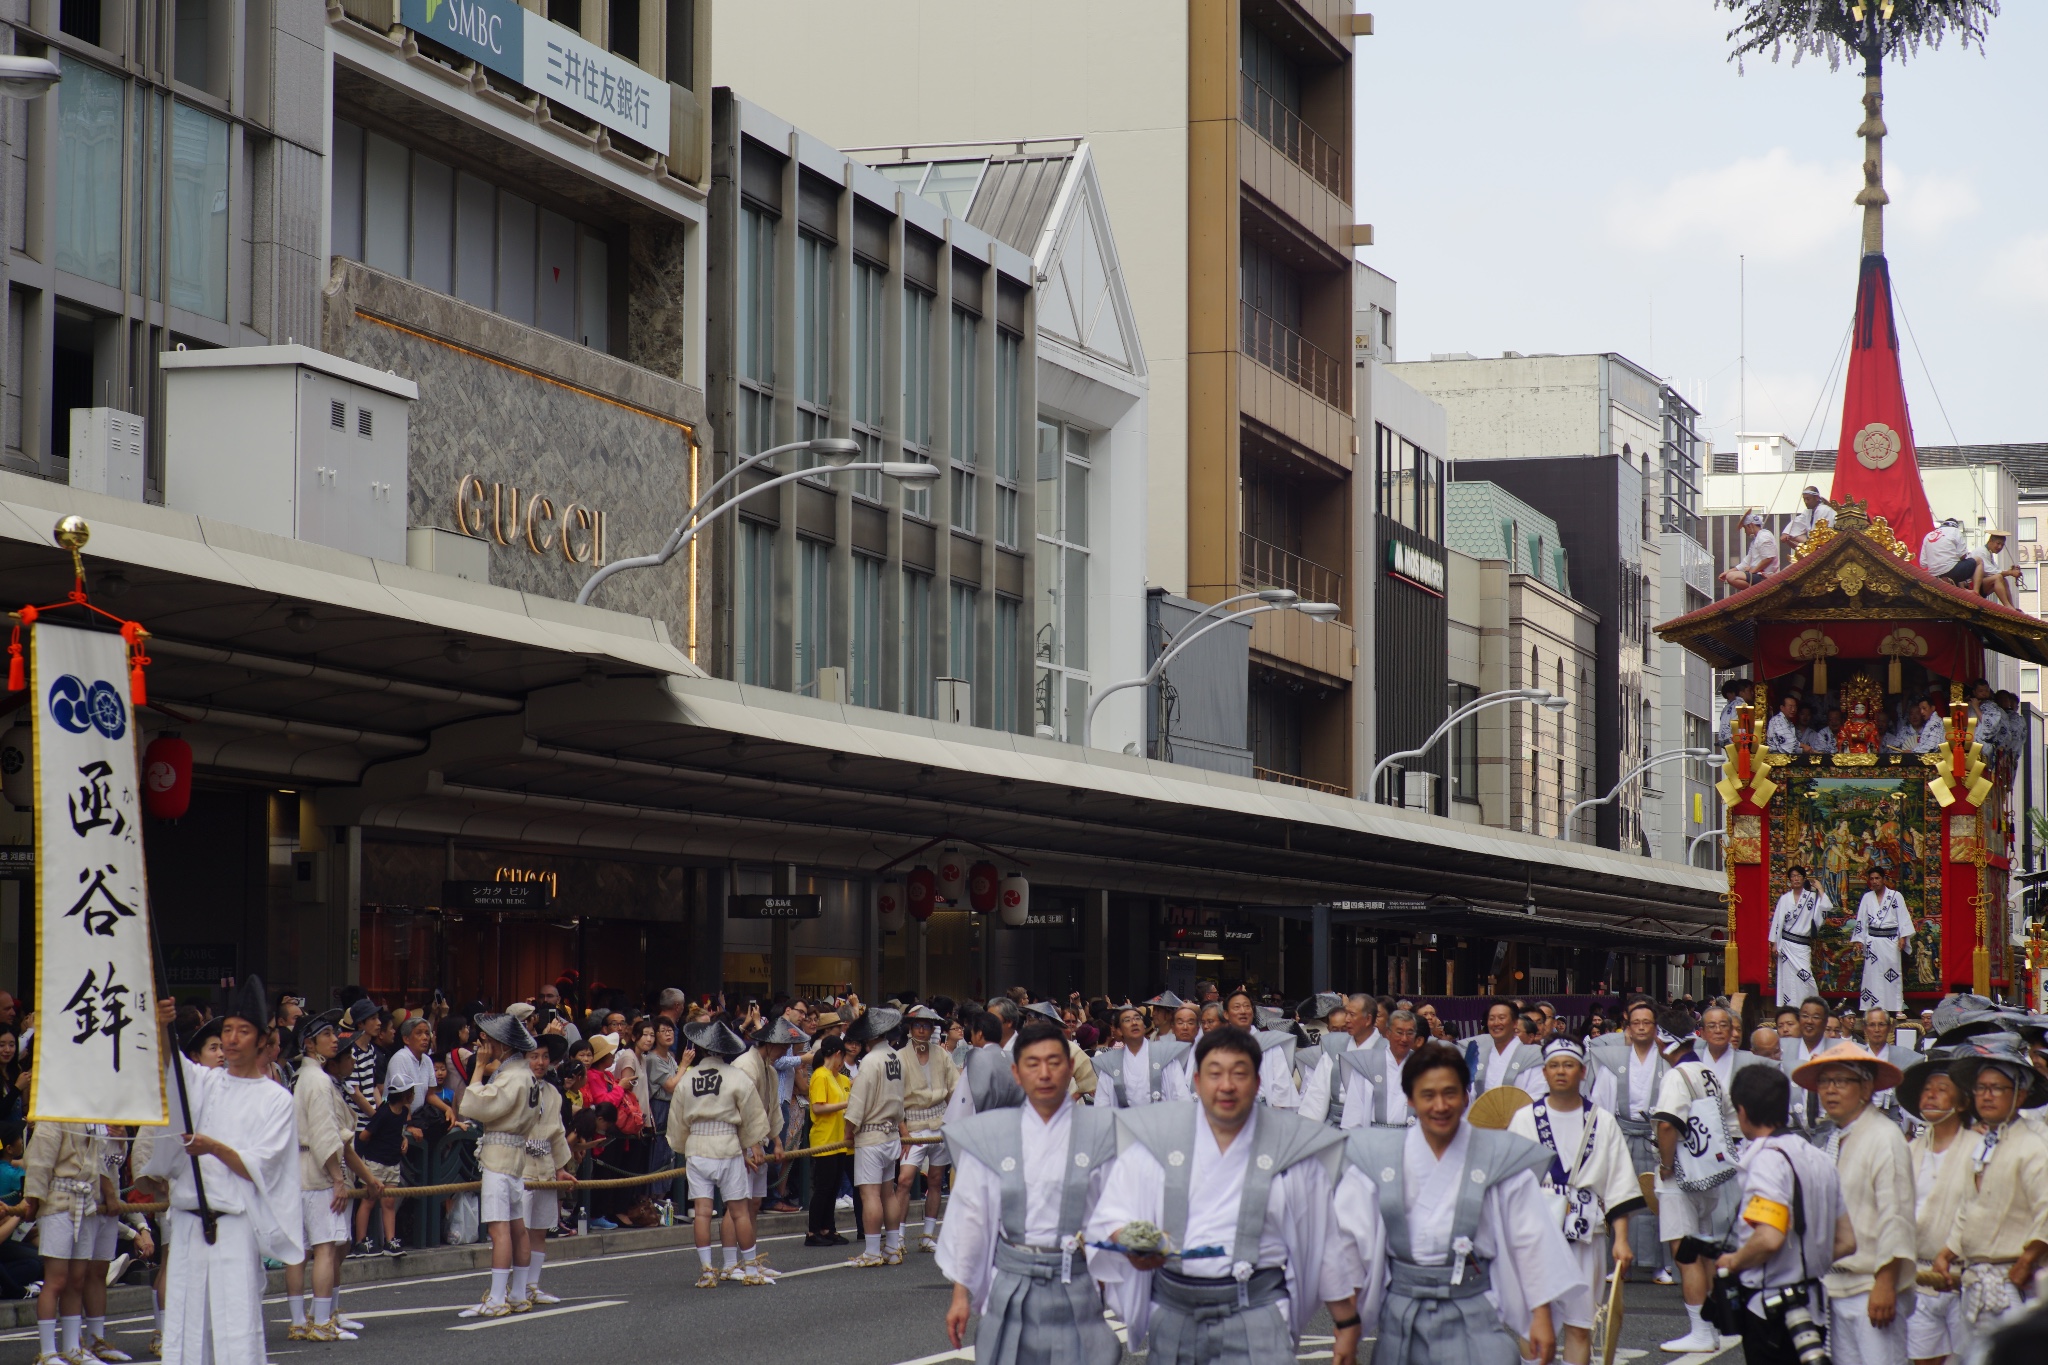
(1678, 1211)
(95, 1238)
(543, 1210)
(323, 1224)
(757, 1182)
(1596, 1263)
(877, 1165)
(1852, 1338)
(925, 1156)
(725, 1174)
(1936, 1328)
(504, 1198)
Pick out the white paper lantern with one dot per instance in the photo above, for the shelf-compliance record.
(952, 875)
(889, 903)
(1015, 900)
(17, 767)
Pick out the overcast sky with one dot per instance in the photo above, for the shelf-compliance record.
(1582, 175)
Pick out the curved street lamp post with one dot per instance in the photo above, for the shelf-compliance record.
(1269, 599)
(836, 449)
(1710, 756)
(1538, 695)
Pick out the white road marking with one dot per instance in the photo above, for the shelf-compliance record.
(536, 1317)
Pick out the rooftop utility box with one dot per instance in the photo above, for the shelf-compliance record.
(289, 440)
(108, 454)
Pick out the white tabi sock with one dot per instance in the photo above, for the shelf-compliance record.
(156, 1311)
(874, 1244)
(704, 1255)
(540, 1258)
(893, 1239)
(498, 1279)
(95, 1329)
(298, 1307)
(732, 1257)
(749, 1254)
(518, 1282)
(931, 1227)
(323, 1310)
(1697, 1323)
(68, 1326)
(46, 1332)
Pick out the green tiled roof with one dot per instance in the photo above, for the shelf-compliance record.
(1486, 521)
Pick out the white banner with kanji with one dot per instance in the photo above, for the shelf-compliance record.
(96, 1054)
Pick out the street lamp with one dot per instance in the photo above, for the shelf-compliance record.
(1268, 599)
(26, 77)
(1694, 846)
(1537, 695)
(836, 450)
(1711, 756)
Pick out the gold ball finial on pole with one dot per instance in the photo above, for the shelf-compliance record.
(72, 533)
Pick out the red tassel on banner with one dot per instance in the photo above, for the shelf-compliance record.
(17, 666)
(134, 634)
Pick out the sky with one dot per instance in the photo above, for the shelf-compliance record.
(1590, 175)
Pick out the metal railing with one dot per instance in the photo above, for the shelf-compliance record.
(1294, 357)
(1265, 115)
(1296, 780)
(1262, 564)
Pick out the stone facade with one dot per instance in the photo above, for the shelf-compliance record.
(559, 456)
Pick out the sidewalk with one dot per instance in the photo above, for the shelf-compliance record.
(131, 1300)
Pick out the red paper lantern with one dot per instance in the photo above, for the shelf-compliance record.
(167, 777)
(983, 883)
(924, 893)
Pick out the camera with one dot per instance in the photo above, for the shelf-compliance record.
(1809, 1339)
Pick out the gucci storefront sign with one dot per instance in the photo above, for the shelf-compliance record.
(533, 521)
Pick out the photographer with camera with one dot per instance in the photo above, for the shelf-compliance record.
(1792, 1229)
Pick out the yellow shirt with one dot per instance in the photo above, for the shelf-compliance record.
(828, 1087)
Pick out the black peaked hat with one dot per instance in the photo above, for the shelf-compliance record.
(778, 1034)
(506, 1031)
(715, 1036)
(1935, 1062)
(878, 1022)
(248, 1001)
(190, 1045)
(2009, 1053)
(556, 1045)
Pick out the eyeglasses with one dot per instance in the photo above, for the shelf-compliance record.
(1992, 1088)
(1826, 1081)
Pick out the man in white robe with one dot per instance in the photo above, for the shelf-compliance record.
(1276, 1058)
(1177, 1078)
(1870, 1291)
(1324, 1091)
(327, 1153)
(1637, 1066)
(1591, 1169)
(1502, 1056)
(1697, 1189)
(1801, 914)
(1027, 1179)
(1942, 1179)
(874, 1123)
(502, 1095)
(242, 1133)
(1884, 928)
(1242, 1190)
(2000, 1236)
(1444, 1236)
(928, 1079)
(985, 1081)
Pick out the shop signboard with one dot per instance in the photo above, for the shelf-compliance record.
(17, 862)
(774, 907)
(1050, 917)
(533, 895)
(200, 964)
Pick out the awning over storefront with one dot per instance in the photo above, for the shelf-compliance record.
(416, 702)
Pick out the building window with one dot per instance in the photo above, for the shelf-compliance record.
(868, 358)
(917, 393)
(1464, 739)
(1411, 486)
(2028, 526)
(754, 336)
(813, 610)
(963, 637)
(409, 215)
(864, 681)
(1060, 630)
(916, 635)
(1009, 361)
(1003, 659)
(89, 147)
(813, 342)
(754, 624)
(2030, 680)
(965, 425)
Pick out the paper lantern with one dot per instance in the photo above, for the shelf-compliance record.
(952, 876)
(17, 767)
(924, 893)
(1015, 895)
(889, 905)
(167, 777)
(983, 887)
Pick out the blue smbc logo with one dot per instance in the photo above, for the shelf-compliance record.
(78, 707)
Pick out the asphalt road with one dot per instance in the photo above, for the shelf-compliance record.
(642, 1305)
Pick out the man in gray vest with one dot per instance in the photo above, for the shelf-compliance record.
(1026, 1181)
(1130, 1072)
(1501, 1057)
(985, 1079)
(1241, 1192)
(1638, 1067)
(1276, 1065)
(1325, 1095)
(1442, 1222)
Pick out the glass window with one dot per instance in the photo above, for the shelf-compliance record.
(951, 184)
(1060, 587)
(916, 637)
(864, 683)
(433, 225)
(964, 427)
(868, 360)
(754, 334)
(1003, 659)
(917, 392)
(813, 610)
(89, 172)
(2027, 528)
(1464, 739)
(963, 636)
(2030, 680)
(813, 322)
(754, 631)
(1009, 359)
(387, 202)
(199, 212)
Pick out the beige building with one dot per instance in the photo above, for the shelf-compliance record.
(1221, 131)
